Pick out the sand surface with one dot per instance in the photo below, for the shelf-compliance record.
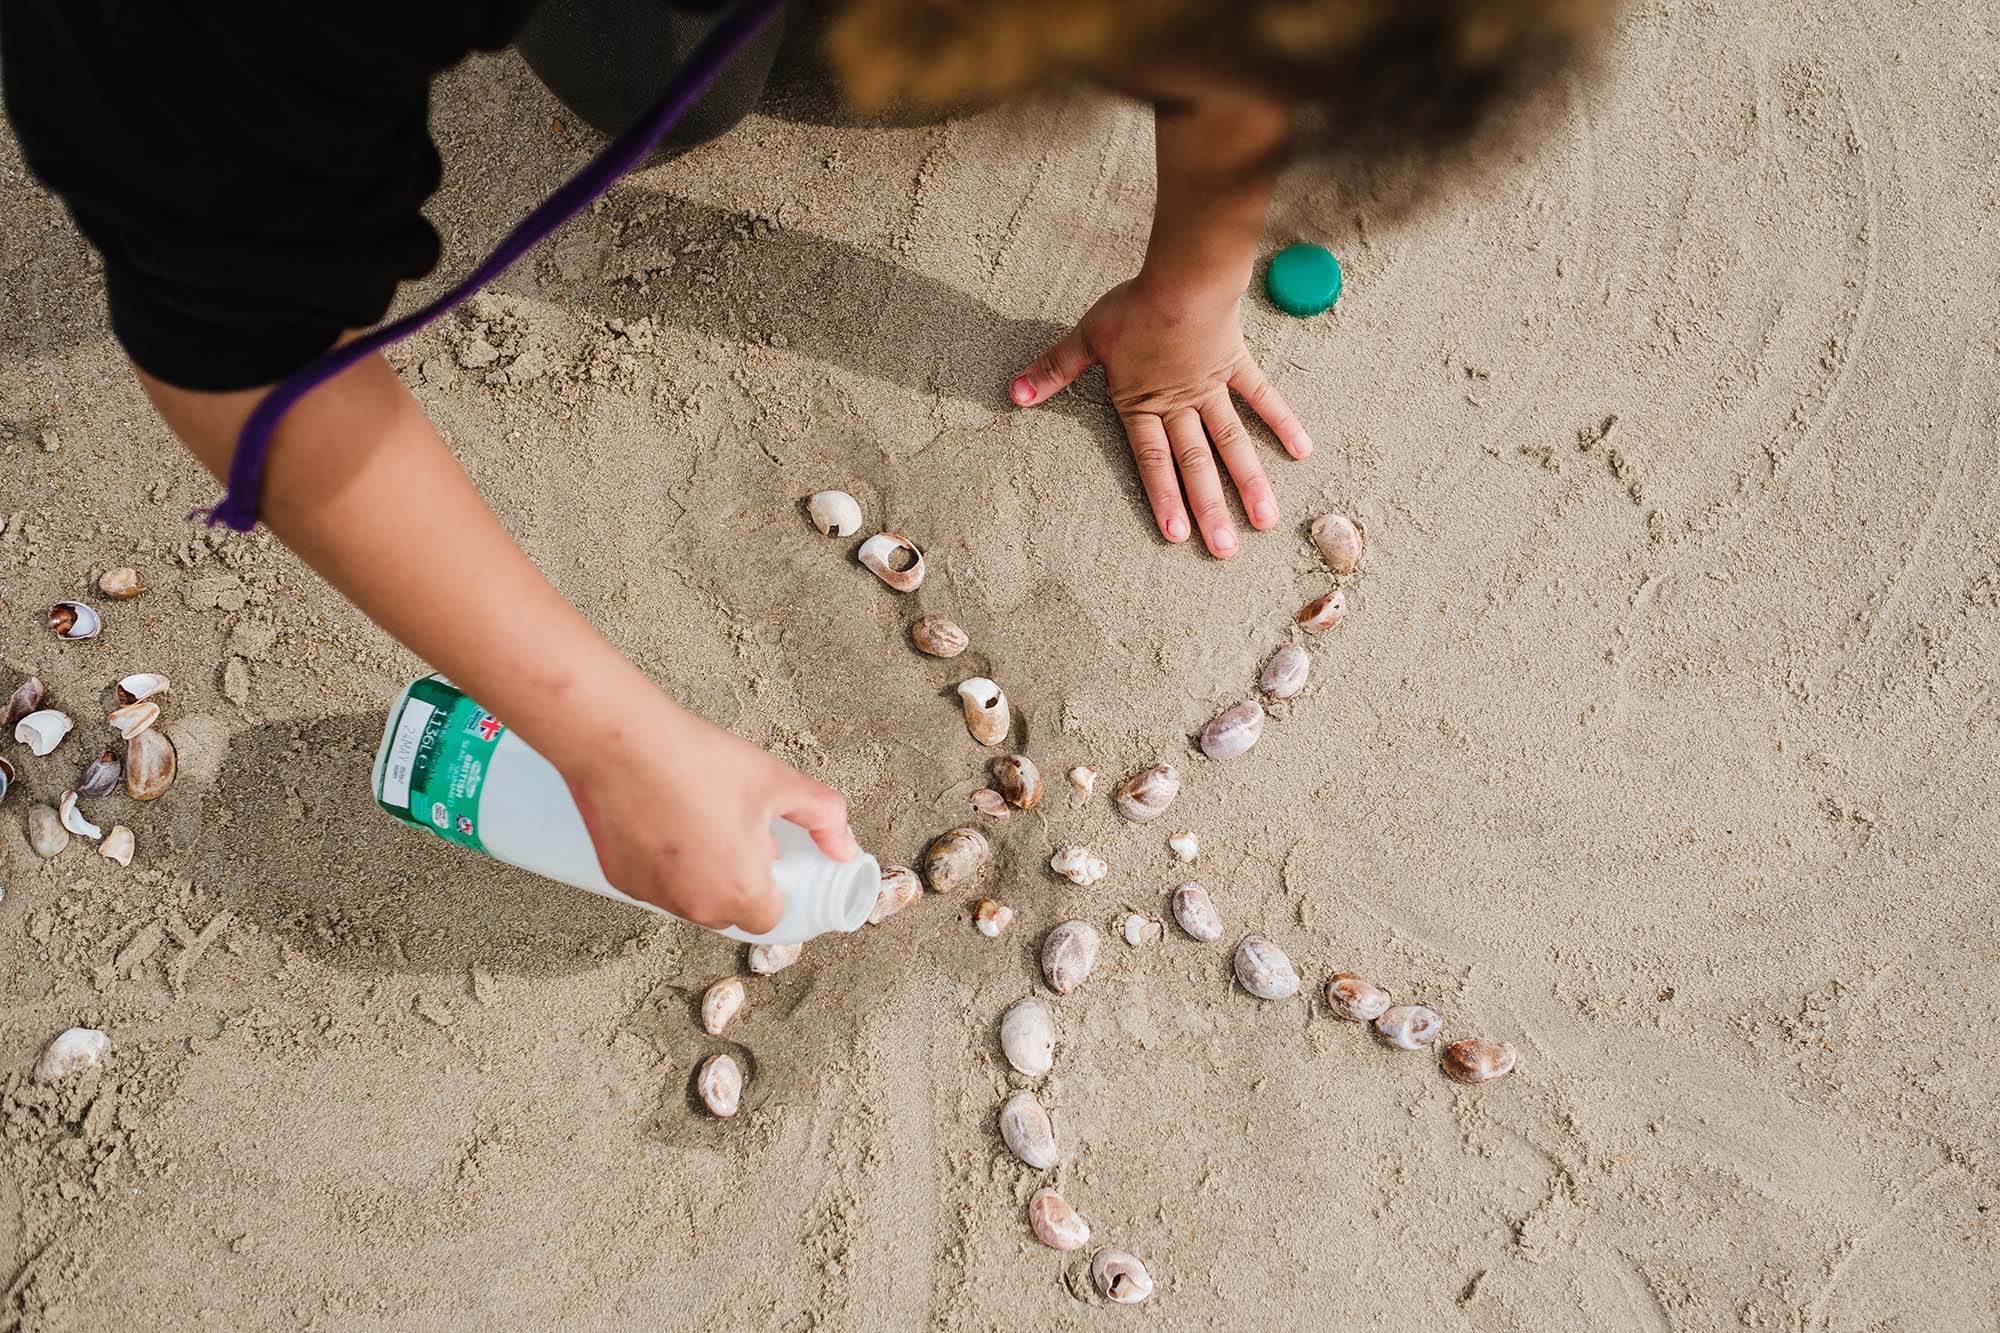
(1661, 740)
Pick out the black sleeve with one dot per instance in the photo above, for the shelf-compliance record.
(251, 172)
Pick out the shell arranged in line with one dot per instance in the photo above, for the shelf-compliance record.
(1145, 795)
(1120, 1277)
(720, 1003)
(1069, 952)
(134, 718)
(1027, 1131)
(121, 584)
(1356, 998)
(1339, 540)
(1196, 913)
(1186, 847)
(899, 888)
(1084, 779)
(1028, 1037)
(74, 620)
(1079, 865)
(1285, 674)
(895, 560)
(43, 730)
(118, 845)
(834, 513)
(1018, 780)
(46, 833)
(1233, 731)
(938, 636)
(955, 858)
(1141, 930)
(1055, 1223)
(1323, 613)
(6, 776)
(1264, 971)
(767, 959)
(989, 918)
(72, 1051)
(986, 713)
(990, 803)
(1476, 1060)
(100, 776)
(720, 1085)
(149, 765)
(1408, 1027)
(73, 819)
(142, 685)
(27, 698)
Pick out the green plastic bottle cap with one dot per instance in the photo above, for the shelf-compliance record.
(1303, 279)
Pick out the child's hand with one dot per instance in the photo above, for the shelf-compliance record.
(1171, 359)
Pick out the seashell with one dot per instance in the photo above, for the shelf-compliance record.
(1285, 674)
(1186, 847)
(1068, 953)
(1084, 779)
(43, 731)
(899, 888)
(26, 699)
(74, 620)
(142, 685)
(1140, 930)
(989, 802)
(6, 777)
(100, 776)
(766, 959)
(1339, 542)
(1018, 779)
(1028, 1037)
(955, 858)
(939, 637)
(73, 1051)
(1120, 1277)
(1233, 731)
(1323, 613)
(881, 554)
(720, 1084)
(719, 1004)
(1476, 1060)
(986, 715)
(121, 584)
(1196, 913)
(1026, 1130)
(73, 818)
(990, 918)
(1145, 795)
(117, 845)
(1408, 1027)
(46, 833)
(835, 513)
(134, 718)
(1264, 971)
(149, 765)
(1079, 865)
(1353, 998)
(1055, 1223)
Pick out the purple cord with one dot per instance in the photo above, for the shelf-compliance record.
(238, 508)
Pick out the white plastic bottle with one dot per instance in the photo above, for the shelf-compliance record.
(448, 765)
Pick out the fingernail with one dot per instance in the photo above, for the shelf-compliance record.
(1176, 529)
(1305, 447)
(1225, 541)
(1024, 392)
(1264, 512)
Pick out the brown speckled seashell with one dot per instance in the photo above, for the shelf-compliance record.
(955, 858)
(1145, 795)
(1322, 614)
(939, 636)
(1338, 538)
(1476, 1060)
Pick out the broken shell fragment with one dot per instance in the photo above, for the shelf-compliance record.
(1233, 731)
(1196, 913)
(73, 818)
(1145, 795)
(989, 802)
(100, 776)
(73, 1051)
(939, 637)
(1028, 1037)
(720, 1084)
(1068, 953)
(955, 858)
(1026, 1130)
(1186, 847)
(1018, 779)
(1476, 1060)
(1354, 998)
(1084, 779)
(26, 699)
(46, 833)
(990, 918)
(1323, 613)
(986, 714)
(149, 765)
(121, 584)
(1339, 540)
(895, 560)
(719, 1004)
(1408, 1027)
(117, 845)
(1120, 1277)
(1079, 865)
(899, 888)
(43, 731)
(766, 959)
(6, 777)
(142, 685)
(1055, 1223)
(134, 718)
(1264, 971)
(835, 513)
(1285, 674)
(74, 620)
(1141, 930)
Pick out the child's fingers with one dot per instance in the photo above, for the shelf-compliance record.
(1156, 473)
(1058, 366)
(822, 812)
(1239, 455)
(1269, 404)
(1201, 481)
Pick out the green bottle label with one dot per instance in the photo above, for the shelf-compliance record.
(440, 745)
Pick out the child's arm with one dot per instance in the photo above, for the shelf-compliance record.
(1170, 339)
(360, 485)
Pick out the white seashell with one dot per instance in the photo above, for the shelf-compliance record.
(100, 776)
(1476, 1060)
(74, 620)
(899, 888)
(1264, 971)
(1120, 1277)
(46, 833)
(990, 918)
(1142, 930)
(1408, 1027)
(939, 637)
(121, 584)
(1027, 1131)
(1323, 613)
(1186, 847)
(73, 1051)
(720, 1003)
(1285, 674)
(884, 550)
(1079, 865)
(990, 803)
(1196, 913)
(1018, 780)
(134, 718)
(1055, 1223)
(150, 765)
(1069, 952)
(142, 685)
(986, 714)
(1028, 1037)
(117, 845)
(1233, 731)
(835, 513)
(1353, 998)
(1339, 542)
(73, 820)
(27, 698)
(1145, 795)
(43, 731)
(766, 959)
(1084, 779)
(720, 1084)
(955, 858)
